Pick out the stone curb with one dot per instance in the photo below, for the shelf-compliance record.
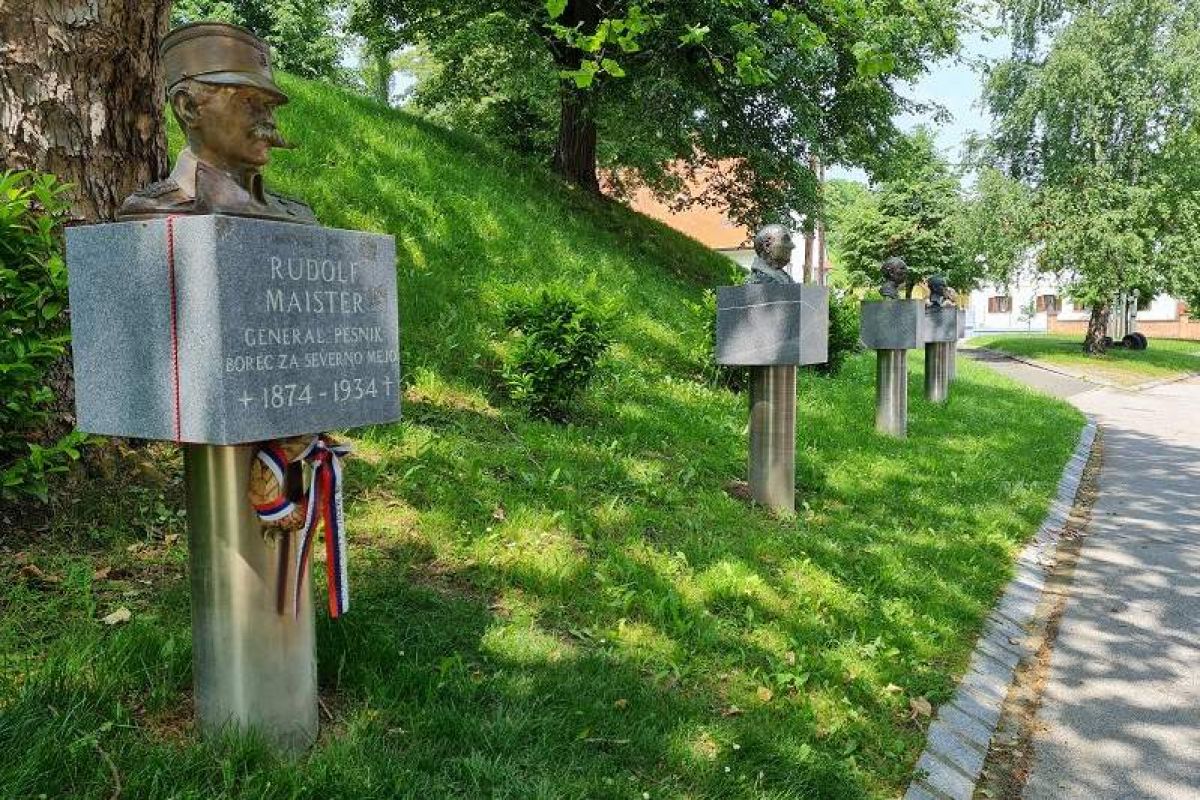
(1141, 387)
(957, 742)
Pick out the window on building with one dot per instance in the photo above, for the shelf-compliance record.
(1047, 303)
(1000, 304)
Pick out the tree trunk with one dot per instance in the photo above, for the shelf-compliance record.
(575, 152)
(1097, 329)
(381, 73)
(810, 246)
(81, 95)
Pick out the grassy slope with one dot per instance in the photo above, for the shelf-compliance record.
(1165, 358)
(544, 611)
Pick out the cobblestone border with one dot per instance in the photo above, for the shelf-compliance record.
(957, 741)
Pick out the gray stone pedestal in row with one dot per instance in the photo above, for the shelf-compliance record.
(220, 332)
(772, 328)
(893, 327)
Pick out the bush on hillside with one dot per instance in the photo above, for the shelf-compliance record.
(844, 318)
(35, 331)
(555, 346)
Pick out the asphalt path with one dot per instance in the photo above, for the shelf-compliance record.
(1120, 713)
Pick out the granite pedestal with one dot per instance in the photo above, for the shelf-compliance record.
(772, 324)
(891, 328)
(223, 330)
(772, 328)
(219, 332)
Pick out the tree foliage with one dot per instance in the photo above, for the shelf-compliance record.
(916, 215)
(1095, 111)
(35, 328)
(301, 32)
(746, 89)
(996, 226)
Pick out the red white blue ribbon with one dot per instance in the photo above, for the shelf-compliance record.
(323, 506)
(275, 460)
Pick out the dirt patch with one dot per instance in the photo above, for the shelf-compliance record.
(1010, 757)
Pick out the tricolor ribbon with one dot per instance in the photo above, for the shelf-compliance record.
(323, 506)
(274, 459)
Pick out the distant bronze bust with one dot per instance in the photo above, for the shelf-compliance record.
(940, 293)
(773, 248)
(895, 277)
(222, 92)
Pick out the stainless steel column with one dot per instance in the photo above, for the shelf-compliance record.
(254, 662)
(937, 371)
(891, 392)
(773, 437)
(952, 369)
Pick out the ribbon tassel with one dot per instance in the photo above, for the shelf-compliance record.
(324, 507)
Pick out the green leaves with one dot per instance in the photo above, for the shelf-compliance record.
(688, 83)
(915, 215)
(872, 61)
(301, 32)
(694, 34)
(552, 354)
(33, 330)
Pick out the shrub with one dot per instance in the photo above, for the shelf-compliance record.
(552, 354)
(844, 317)
(34, 331)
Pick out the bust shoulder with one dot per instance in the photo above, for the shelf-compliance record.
(292, 208)
(161, 197)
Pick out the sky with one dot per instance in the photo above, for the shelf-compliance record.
(955, 85)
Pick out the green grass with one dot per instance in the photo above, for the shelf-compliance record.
(1164, 358)
(544, 611)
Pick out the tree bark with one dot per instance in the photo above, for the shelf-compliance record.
(1097, 329)
(81, 96)
(575, 152)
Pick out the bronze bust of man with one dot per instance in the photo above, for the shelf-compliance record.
(940, 293)
(895, 277)
(773, 248)
(222, 92)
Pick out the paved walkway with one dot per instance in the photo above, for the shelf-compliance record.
(1120, 715)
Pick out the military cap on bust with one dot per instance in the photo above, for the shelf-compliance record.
(218, 53)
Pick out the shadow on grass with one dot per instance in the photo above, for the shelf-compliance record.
(626, 623)
(570, 611)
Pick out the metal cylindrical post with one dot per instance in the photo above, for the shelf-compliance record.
(254, 661)
(773, 437)
(952, 367)
(891, 392)
(937, 371)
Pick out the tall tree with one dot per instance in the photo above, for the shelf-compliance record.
(653, 89)
(81, 96)
(379, 43)
(301, 32)
(1088, 111)
(996, 226)
(915, 215)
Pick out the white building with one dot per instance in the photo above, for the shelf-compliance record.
(1035, 303)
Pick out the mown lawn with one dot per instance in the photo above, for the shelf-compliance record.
(1164, 358)
(539, 610)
